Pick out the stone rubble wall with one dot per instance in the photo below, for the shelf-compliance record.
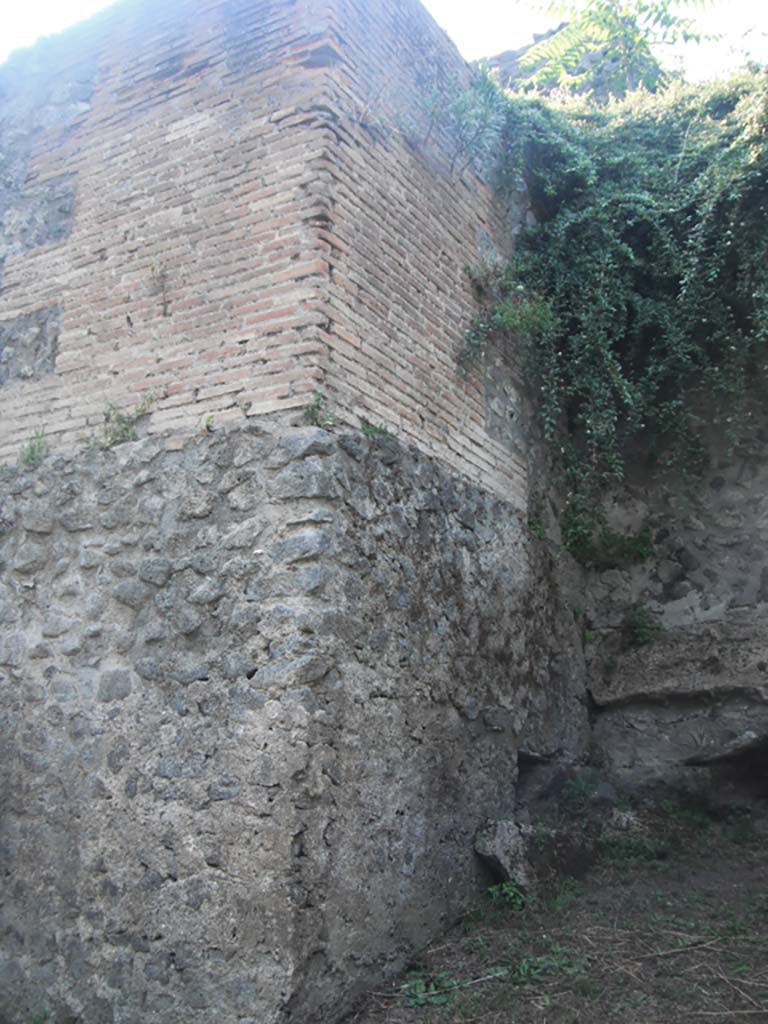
(260, 684)
(256, 698)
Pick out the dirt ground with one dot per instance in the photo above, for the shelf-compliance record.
(669, 925)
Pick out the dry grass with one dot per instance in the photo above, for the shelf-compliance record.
(668, 929)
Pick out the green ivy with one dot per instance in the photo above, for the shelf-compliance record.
(640, 296)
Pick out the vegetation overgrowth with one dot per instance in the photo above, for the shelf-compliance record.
(640, 295)
(609, 46)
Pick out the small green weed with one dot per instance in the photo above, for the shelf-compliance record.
(477, 945)
(372, 430)
(120, 424)
(629, 849)
(601, 548)
(577, 792)
(474, 345)
(318, 413)
(558, 960)
(536, 527)
(509, 895)
(35, 450)
(567, 892)
(429, 990)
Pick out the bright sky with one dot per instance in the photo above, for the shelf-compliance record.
(483, 28)
(480, 28)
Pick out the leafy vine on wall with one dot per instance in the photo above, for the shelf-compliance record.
(640, 295)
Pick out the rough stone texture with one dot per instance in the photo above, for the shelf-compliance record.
(644, 744)
(702, 680)
(232, 205)
(28, 346)
(257, 696)
(503, 845)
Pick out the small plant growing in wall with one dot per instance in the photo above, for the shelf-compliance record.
(639, 627)
(120, 425)
(373, 430)
(35, 450)
(536, 520)
(475, 119)
(508, 895)
(318, 412)
(599, 547)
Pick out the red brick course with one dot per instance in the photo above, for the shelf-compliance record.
(263, 208)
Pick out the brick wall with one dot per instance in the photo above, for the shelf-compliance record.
(234, 205)
(190, 264)
(408, 215)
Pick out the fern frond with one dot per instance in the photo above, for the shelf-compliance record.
(568, 45)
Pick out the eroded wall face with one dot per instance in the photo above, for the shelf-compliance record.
(147, 816)
(156, 219)
(257, 698)
(679, 642)
(449, 656)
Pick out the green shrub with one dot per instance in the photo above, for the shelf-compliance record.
(640, 295)
(509, 895)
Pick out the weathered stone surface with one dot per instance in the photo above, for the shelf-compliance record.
(718, 657)
(684, 687)
(131, 593)
(155, 570)
(241, 736)
(30, 557)
(746, 743)
(677, 743)
(703, 586)
(300, 444)
(503, 845)
(301, 546)
(28, 346)
(114, 685)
